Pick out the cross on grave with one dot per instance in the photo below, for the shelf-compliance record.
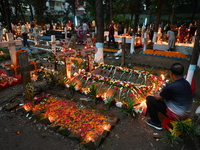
(53, 43)
(66, 44)
(89, 41)
(88, 52)
(11, 43)
(68, 54)
(65, 32)
(68, 63)
(24, 69)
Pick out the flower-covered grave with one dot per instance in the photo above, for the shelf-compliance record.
(126, 87)
(6, 81)
(71, 118)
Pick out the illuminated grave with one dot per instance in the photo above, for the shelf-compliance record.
(71, 119)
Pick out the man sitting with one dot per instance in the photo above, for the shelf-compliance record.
(174, 101)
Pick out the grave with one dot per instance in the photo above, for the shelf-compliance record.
(179, 47)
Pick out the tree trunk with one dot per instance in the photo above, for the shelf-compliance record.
(7, 14)
(2, 10)
(194, 10)
(160, 4)
(31, 10)
(100, 30)
(195, 55)
(111, 11)
(173, 10)
(22, 14)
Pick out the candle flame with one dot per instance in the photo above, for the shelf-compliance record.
(162, 76)
(107, 127)
(51, 119)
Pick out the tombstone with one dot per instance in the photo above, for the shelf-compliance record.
(11, 45)
(24, 69)
(89, 52)
(53, 43)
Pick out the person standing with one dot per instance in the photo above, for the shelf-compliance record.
(174, 101)
(192, 31)
(4, 32)
(24, 33)
(85, 28)
(1, 32)
(80, 35)
(120, 28)
(182, 33)
(111, 35)
(171, 40)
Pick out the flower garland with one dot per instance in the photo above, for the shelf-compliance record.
(161, 53)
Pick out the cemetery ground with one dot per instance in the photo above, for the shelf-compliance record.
(20, 132)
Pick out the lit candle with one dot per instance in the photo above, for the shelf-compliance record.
(162, 76)
(51, 119)
(89, 139)
(107, 127)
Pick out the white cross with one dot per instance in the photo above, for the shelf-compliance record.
(53, 43)
(65, 32)
(11, 43)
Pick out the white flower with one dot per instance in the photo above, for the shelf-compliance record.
(105, 100)
(119, 104)
(76, 88)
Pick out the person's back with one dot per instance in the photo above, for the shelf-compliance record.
(171, 34)
(111, 30)
(85, 27)
(24, 29)
(178, 97)
(120, 27)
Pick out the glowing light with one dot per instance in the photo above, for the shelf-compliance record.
(51, 119)
(27, 108)
(107, 127)
(162, 76)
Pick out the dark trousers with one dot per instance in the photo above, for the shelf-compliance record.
(25, 42)
(154, 106)
(111, 38)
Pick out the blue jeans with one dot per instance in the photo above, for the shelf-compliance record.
(25, 42)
